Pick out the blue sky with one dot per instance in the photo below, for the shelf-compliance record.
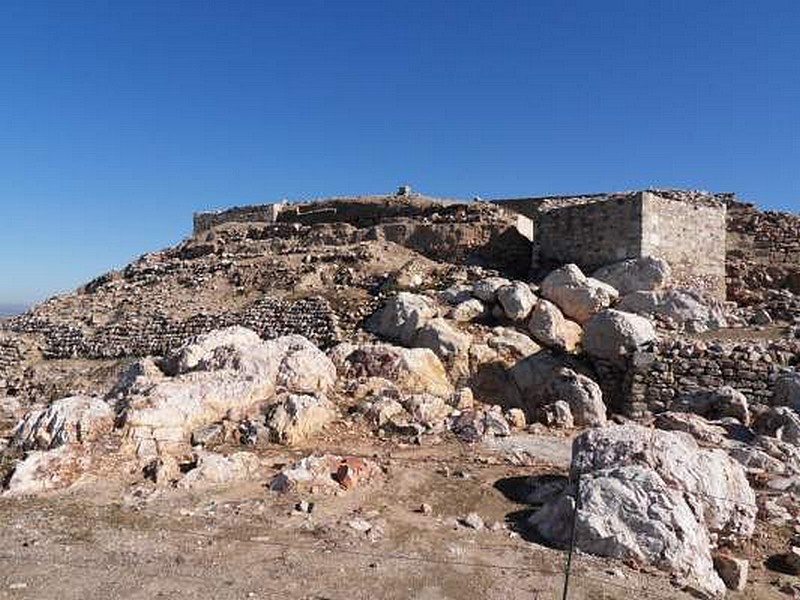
(119, 119)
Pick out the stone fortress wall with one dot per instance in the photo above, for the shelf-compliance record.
(269, 317)
(685, 228)
(653, 379)
(763, 250)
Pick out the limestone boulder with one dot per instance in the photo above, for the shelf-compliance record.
(45, 470)
(680, 309)
(456, 294)
(542, 379)
(549, 327)
(401, 317)
(297, 417)
(445, 340)
(224, 374)
(326, 473)
(714, 403)
(780, 422)
(611, 335)
(77, 419)
(428, 410)
(714, 485)
(517, 300)
(630, 513)
(695, 425)
(215, 469)
(646, 273)
(412, 370)
(579, 297)
(512, 344)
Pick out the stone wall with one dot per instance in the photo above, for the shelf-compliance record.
(155, 335)
(13, 353)
(674, 367)
(763, 252)
(690, 236)
(590, 234)
(257, 213)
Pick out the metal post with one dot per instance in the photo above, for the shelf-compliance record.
(572, 537)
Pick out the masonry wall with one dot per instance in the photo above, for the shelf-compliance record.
(653, 380)
(590, 235)
(261, 213)
(688, 235)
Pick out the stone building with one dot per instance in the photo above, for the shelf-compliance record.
(687, 229)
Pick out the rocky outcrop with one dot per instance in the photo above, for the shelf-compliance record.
(222, 374)
(611, 335)
(653, 497)
(578, 296)
(548, 326)
(76, 419)
(297, 417)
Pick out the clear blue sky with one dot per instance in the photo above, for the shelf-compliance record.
(120, 118)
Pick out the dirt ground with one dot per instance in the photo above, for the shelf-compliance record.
(113, 536)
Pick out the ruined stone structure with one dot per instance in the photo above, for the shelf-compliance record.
(687, 229)
(763, 250)
(156, 335)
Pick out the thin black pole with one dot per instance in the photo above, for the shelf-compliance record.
(572, 537)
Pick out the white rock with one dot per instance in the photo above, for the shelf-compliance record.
(512, 343)
(647, 273)
(611, 335)
(549, 327)
(42, 471)
(216, 469)
(299, 416)
(578, 296)
(401, 317)
(517, 300)
(412, 370)
(442, 338)
(77, 419)
(684, 309)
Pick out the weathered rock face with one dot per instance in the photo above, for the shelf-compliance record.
(715, 403)
(696, 426)
(548, 326)
(445, 340)
(542, 379)
(630, 513)
(42, 471)
(510, 342)
(681, 309)
(517, 300)
(486, 289)
(215, 469)
(654, 497)
(76, 419)
(298, 416)
(578, 296)
(413, 370)
(222, 374)
(401, 317)
(787, 391)
(780, 422)
(611, 335)
(647, 273)
(715, 486)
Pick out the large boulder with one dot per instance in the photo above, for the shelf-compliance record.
(42, 471)
(76, 419)
(654, 497)
(512, 343)
(223, 374)
(578, 296)
(630, 513)
(611, 335)
(715, 486)
(298, 416)
(681, 309)
(548, 326)
(542, 379)
(787, 391)
(647, 273)
(444, 339)
(468, 310)
(400, 318)
(517, 300)
(486, 289)
(715, 403)
(412, 370)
